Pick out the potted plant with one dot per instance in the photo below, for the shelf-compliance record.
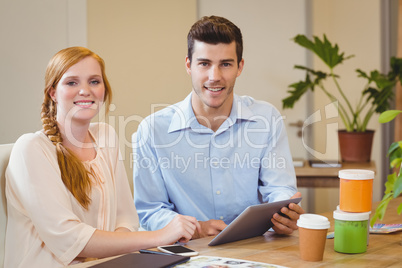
(375, 96)
(393, 186)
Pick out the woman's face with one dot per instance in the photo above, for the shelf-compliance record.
(80, 92)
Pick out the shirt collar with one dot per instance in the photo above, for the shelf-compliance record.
(184, 116)
(183, 112)
(240, 111)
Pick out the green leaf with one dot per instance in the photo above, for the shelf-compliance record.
(381, 208)
(395, 152)
(381, 99)
(373, 220)
(381, 80)
(398, 186)
(389, 184)
(299, 89)
(399, 209)
(393, 147)
(302, 87)
(381, 96)
(362, 74)
(327, 52)
(388, 116)
(319, 74)
(396, 162)
(396, 68)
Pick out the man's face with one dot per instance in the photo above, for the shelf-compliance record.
(213, 72)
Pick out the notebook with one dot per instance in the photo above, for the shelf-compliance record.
(134, 260)
(255, 220)
(325, 163)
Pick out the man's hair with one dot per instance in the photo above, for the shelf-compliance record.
(215, 30)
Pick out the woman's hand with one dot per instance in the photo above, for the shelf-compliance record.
(181, 229)
(208, 228)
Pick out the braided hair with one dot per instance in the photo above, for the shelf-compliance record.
(73, 172)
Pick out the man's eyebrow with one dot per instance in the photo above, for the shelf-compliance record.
(208, 60)
(228, 60)
(202, 59)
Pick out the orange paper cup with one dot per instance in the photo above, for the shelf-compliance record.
(312, 236)
(356, 190)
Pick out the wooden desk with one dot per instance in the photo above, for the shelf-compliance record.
(384, 250)
(326, 177)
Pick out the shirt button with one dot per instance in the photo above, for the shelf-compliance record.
(218, 192)
(221, 217)
(215, 164)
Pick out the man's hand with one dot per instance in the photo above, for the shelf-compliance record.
(284, 225)
(208, 228)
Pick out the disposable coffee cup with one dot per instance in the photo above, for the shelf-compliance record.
(312, 236)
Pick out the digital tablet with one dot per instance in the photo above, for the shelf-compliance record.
(255, 220)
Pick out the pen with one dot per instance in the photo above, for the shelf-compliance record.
(153, 252)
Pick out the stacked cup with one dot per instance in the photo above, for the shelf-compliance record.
(352, 217)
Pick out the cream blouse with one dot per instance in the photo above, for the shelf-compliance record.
(46, 225)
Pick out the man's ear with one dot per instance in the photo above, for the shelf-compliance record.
(188, 65)
(241, 65)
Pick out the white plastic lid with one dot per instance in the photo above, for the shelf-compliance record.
(356, 174)
(313, 221)
(351, 216)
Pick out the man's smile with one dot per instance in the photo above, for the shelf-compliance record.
(214, 89)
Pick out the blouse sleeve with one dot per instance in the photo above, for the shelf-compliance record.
(34, 187)
(127, 216)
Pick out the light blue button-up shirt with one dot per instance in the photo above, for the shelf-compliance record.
(182, 167)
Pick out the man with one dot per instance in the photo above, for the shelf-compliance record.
(215, 153)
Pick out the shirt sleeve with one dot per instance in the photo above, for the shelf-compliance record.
(35, 189)
(278, 183)
(150, 196)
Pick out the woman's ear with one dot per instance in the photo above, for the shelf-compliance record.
(52, 94)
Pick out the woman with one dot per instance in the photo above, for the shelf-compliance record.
(68, 196)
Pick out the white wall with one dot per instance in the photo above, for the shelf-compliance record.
(31, 32)
(144, 45)
(269, 53)
(355, 27)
